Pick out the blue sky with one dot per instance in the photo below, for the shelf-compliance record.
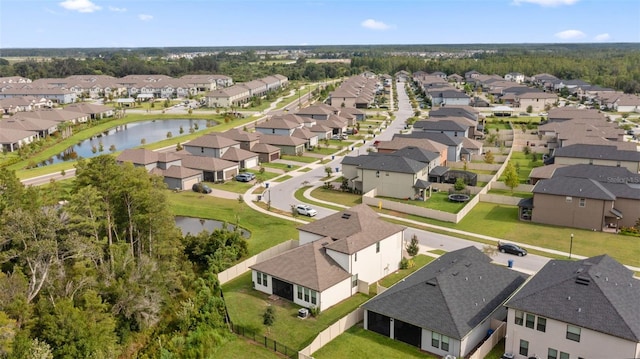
(158, 23)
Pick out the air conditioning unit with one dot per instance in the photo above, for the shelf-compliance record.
(449, 356)
(303, 313)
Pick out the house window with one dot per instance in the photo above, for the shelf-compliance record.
(564, 355)
(542, 324)
(618, 164)
(273, 130)
(569, 199)
(314, 300)
(201, 149)
(377, 173)
(530, 320)
(519, 317)
(573, 333)
(590, 162)
(306, 294)
(378, 247)
(259, 275)
(552, 354)
(445, 343)
(300, 292)
(524, 347)
(435, 340)
(354, 281)
(355, 257)
(583, 202)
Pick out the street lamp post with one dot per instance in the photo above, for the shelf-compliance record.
(571, 246)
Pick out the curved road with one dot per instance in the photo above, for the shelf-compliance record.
(282, 197)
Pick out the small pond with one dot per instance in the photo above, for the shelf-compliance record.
(197, 225)
(128, 136)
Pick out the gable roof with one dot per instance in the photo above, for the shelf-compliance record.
(139, 156)
(596, 293)
(575, 187)
(597, 152)
(307, 265)
(442, 138)
(352, 229)
(451, 295)
(212, 140)
(389, 162)
(237, 154)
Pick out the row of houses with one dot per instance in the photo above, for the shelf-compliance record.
(25, 127)
(68, 90)
(357, 92)
(241, 93)
(568, 309)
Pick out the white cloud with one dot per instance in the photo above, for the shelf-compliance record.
(602, 37)
(570, 35)
(80, 5)
(145, 17)
(547, 3)
(117, 9)
(374, 25)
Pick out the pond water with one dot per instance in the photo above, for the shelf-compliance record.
(197, 225)
(128, 136)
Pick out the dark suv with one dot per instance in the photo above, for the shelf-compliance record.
(201, 188)
(512, 249)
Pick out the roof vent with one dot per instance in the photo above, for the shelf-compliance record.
(454, 273)
(579, 310)
(579, 270)
(466, 278)
(598, 275)
(325, 243)
(583, 280)
(569, 298)
(346, 215)
(432, 282)
(468, 264)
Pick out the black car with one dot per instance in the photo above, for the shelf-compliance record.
(201, 188)
(512, 249)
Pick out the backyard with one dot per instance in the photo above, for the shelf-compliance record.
(438, 201)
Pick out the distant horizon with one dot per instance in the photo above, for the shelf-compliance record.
(605, 44)
(132, 24)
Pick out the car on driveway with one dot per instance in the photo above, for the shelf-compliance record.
(305, 210)
(201, 188)
(245, 177)
(512, 249)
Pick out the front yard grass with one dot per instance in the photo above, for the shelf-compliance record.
(343, 198)
(280, 166)
(246, 306)
(239, 347)
(360, 343)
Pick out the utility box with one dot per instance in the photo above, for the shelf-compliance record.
(303, 313)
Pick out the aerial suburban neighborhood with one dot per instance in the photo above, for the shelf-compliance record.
(438, 180)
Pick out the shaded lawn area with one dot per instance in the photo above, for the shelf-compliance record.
(526, 165)
(506, 192)
(360, 343)
(438, 201)
(239, 347)
(266, 231)
(419, 261)
(247, 305)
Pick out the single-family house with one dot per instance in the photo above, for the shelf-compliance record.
(12, 139)
(178, 177)
(210, 145)
(278, 126)
(245, 159)
(445, 97)
(587, 196)
(448, 306)
(605, 155)
(212, 169)
(336, 255)
(233, 95)
(454, 144)
(576, 309)
(288, 145)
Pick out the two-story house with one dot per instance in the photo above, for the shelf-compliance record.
(336, 255)
(576, 309)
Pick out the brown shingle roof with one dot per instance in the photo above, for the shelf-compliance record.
(138, 156)
(212, 140)
(352, 229)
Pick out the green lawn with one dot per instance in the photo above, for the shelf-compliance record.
(266, 231)
(302, 159)
(281, 166)
(282, 178)
(299, 195)
(324, 150)
(438, 201)
(419, 261)
(247, 305)
(506, 192)
(359, 343)
(526, 165)
(239, 347)
(343, 198)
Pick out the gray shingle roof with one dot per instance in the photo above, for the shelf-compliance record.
(596, 293)
(597, 152)
(440, 125)
(575, 187)
(450, 295)
(434, 136)
(390, 163)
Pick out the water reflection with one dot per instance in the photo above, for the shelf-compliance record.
(128, 136)
(197, 225)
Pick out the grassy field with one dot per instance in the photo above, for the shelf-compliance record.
(266, 231)
(247, 305)
(359, 343)
(419, 261)
(239, 347)
(526, 165)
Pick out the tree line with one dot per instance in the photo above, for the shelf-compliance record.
(106, 272)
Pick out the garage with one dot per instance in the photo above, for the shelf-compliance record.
(282, 289)
(378, 323)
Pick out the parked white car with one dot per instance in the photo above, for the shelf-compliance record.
(305, 210)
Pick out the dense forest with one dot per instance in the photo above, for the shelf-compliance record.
(101, 274)
(610, 65)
